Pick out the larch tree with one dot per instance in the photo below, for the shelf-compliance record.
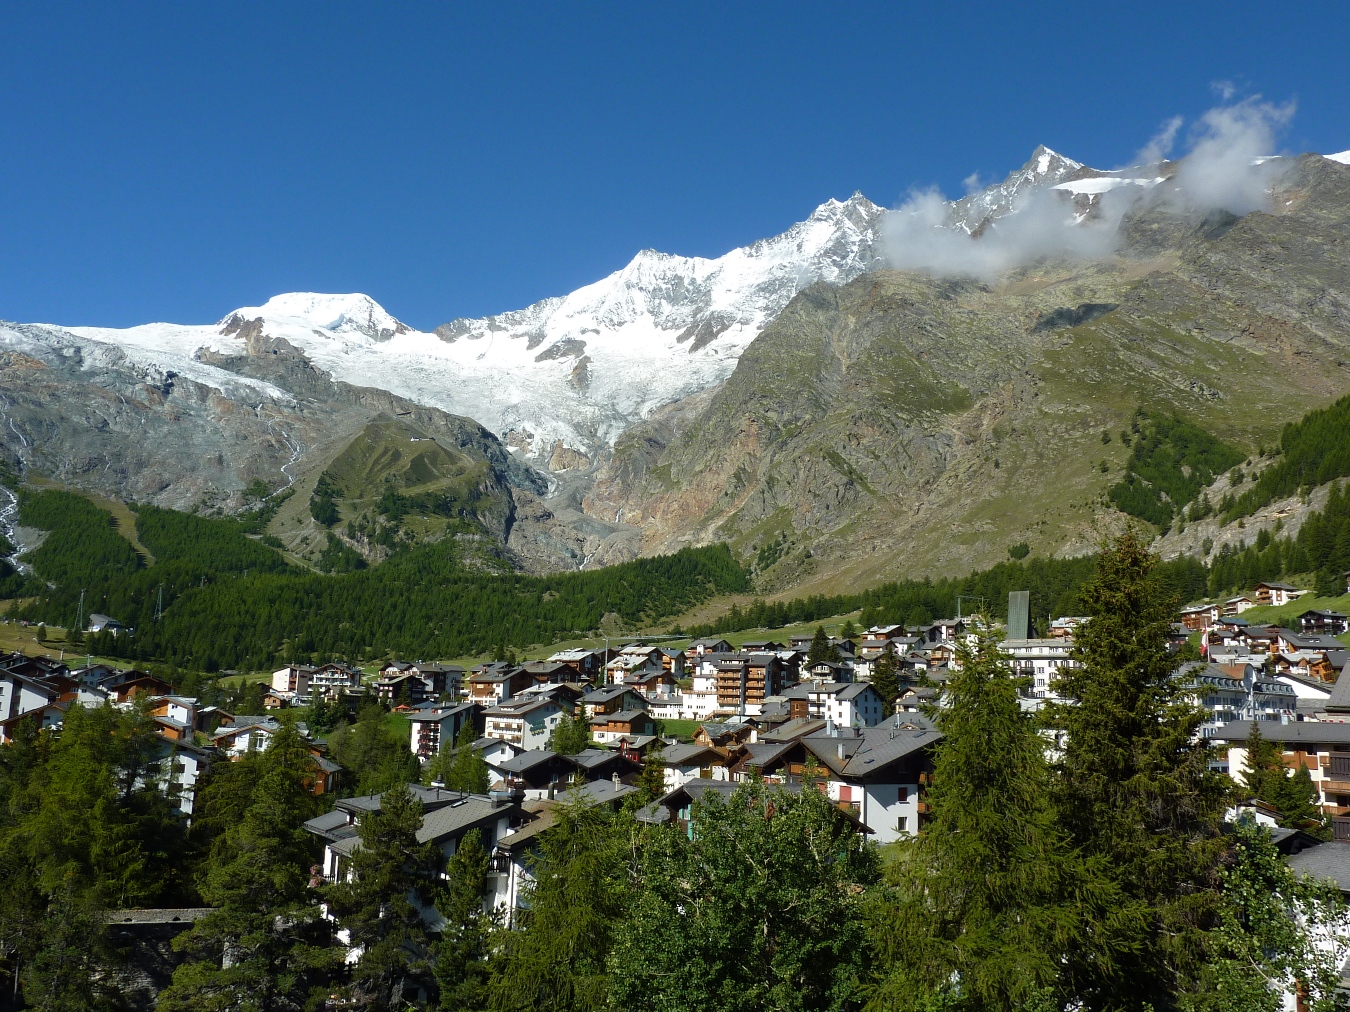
(462, 966)
(554, 959)
(886, 680)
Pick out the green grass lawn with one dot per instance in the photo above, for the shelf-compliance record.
(1287, 615)
(682, 729)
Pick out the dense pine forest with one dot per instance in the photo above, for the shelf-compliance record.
(1313, 451)
(228, 600)
(1171, 461)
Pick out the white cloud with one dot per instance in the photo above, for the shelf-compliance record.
(1225, 168)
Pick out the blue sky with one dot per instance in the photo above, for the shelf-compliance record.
(174, 161)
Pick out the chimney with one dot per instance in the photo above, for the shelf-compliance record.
(841, 752)
(615, 778)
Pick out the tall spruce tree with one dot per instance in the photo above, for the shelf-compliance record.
(459, 766)
(652, 780)
(265, 945)
(469, 772)
(1134, 790)
(1268, 779)
(821, 648)
(979, 912)
(376, 904)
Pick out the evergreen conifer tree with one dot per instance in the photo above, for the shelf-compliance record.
(1268, 779)
(265, 945)
(1134, 791)
(821, 648)
(375, 908)
(469, 771)
(886, 680)
(982, 909)
(652, 780)
(461, 963)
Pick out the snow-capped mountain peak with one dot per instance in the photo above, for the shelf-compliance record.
(341, 314)
(1044, 167)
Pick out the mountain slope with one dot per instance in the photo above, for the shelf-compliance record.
(905, 424)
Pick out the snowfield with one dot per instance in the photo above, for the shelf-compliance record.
(575, 370)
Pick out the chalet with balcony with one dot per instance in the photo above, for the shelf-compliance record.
(403, 687)
(436, 727)
(293, 678)
(525, 723)
(612, 699)
(1321, 746)
(588, 663)
(331, 680)
(1276, 594)
(877, 773)
(493, 684)
(1329, 623)
(691, 762)
(1198, 617)
(610, 727)
(446, 817)
(674, 661)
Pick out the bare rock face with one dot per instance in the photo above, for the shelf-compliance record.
(80, 412)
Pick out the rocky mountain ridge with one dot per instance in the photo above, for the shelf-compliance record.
(832, 419)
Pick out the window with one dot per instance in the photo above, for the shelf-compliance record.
(900, 824)
(902, 795)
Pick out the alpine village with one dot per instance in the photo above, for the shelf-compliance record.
(934, 608)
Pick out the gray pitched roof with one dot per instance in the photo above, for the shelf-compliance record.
(1300, 732)
(528, 760)
(606, 692)
(1339, 701)
(621, 716)
(458, 817)
(794, 729)
(592, 757)
(1326, 861)
(683, 754)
